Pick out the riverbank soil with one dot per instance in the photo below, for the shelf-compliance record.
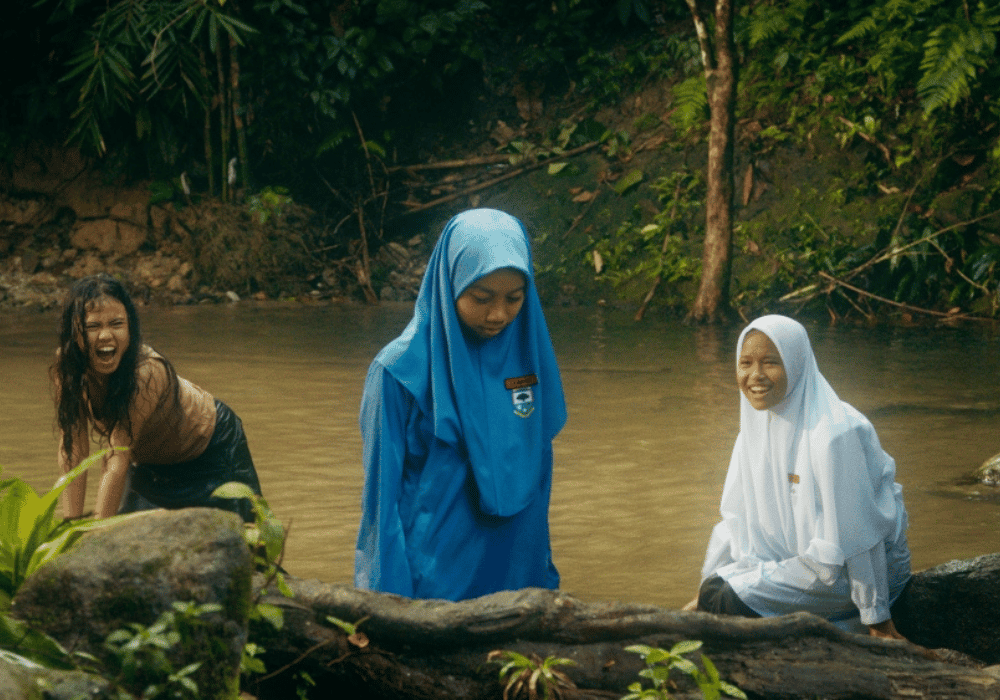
(611, 195)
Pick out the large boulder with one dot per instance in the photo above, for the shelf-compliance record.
(134, 571)
(956, 606)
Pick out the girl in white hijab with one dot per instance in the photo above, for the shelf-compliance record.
(812, 519)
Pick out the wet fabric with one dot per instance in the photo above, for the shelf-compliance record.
(457, 434)
(717, 596)
(178, 430)
(812, 518)
(191, 483)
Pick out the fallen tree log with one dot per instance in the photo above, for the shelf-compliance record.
(437, 649)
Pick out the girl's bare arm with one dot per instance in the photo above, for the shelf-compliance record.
(74, 496)
(152, 382)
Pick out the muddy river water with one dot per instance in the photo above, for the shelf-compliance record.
(638, 469)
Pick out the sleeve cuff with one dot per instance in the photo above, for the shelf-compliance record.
(874, 614)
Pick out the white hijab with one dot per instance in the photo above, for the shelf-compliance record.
(844, 501)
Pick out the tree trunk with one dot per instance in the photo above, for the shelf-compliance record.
(437, 649)
(712, 301)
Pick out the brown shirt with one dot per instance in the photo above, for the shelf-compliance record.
(176, 431)
(165, 431)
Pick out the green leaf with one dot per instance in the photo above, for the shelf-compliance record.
(234, 489)
(685, 666)
(628, 181)
(685, 647)
(284, 588)
(347, 627)
(732, 691)
(271, 613)
(710, 670)
(376, 148)
(32, 644)
(641, 649)
(71, 532)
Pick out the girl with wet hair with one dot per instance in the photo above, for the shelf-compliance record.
(812, 517)
(173, 442)
(458, 417)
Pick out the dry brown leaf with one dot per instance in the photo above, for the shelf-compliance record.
(748, 184)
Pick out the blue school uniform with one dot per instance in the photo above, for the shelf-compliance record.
(458, 434)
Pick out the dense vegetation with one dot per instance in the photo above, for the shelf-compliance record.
(314, 99)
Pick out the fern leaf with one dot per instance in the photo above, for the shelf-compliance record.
(766, 23)
(952, 55)
(865, 27)
(691, 106)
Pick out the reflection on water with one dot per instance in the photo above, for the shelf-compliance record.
(639, 466)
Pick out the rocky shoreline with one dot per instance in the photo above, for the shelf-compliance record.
(60, 220)
(36, 282)
(37, 273)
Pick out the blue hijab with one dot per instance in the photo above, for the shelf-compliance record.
(473, 389)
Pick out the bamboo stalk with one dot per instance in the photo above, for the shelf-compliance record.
(224, 122)
(208, 128)
(238, 123)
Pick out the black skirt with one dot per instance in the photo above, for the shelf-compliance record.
(190, 484)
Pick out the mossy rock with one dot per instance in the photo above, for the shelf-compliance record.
(25, 681)
(132, 572)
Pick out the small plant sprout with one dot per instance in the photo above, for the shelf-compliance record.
(659, 664)
(265, 537)
(530, 677)
(140, 660)
(268, 204)
(355, 637)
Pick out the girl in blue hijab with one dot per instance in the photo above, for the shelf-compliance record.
(458, 417)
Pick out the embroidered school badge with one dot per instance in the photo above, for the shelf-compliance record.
(524, 401)
(521, 393)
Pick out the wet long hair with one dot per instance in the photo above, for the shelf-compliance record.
(72, 362)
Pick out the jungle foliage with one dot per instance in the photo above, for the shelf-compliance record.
(138, 663)
(908, 91)
(913, 84)
(316, 98)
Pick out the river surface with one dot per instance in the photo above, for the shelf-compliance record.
(639, 467)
